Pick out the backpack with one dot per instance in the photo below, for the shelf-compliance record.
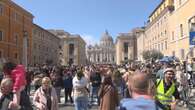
(25, 102)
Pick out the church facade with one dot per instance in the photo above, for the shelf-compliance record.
(104, 52)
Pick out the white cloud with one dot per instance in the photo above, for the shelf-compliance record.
(90, 40)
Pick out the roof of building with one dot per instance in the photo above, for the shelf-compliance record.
(157, 7)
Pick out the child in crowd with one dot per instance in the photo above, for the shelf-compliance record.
(17, 74)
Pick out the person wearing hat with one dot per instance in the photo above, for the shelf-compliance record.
(167, 94)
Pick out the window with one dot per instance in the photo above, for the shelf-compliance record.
(35, 46)
(126, 47)
(173, 53)
(34, 59)
(1, 9)
(1, 35)
(71, 61)
(180, 1)
(182, 52)
(1, 54)
(15, 16)
(35, 31)
(125, 58)
(16, 39)
(165, 18)
(162, 45)
(166, 45)
(98, 58)
(181, 30)
(71, 49)
(192, 27)
(28, 42)
(173, 34)
(159, 47)
(39, 34)
(16, 56)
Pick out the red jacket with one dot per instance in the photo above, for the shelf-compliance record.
(18, 76)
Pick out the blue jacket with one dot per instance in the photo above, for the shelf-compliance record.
(137, 104)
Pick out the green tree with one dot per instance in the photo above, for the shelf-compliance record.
(152, 54)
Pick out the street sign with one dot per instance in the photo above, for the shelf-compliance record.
(192, 38)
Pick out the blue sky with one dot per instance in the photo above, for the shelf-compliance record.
(90, 18)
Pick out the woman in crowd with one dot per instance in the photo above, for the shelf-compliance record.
(45, 97)
(80, 91)
(108, 95)
(57, 82)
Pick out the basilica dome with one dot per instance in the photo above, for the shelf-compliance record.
(106, 39)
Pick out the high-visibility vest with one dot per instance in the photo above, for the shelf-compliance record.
(164, 98)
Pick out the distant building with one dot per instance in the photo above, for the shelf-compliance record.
(73, 48)
(104, 53)
(46, 47)
(125, 47)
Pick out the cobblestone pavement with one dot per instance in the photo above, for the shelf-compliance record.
(71, 107)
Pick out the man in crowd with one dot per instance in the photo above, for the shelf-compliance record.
(166, 90)
(95, 80)
(139, 85)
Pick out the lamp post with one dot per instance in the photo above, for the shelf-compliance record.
(25, 48)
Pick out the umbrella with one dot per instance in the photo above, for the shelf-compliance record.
(165, 59)
(169, 59)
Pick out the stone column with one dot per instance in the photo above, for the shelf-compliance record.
(96, 55)
(110, 58)
(101, 55)
(92, 57)
(107, 57)
(104, 57)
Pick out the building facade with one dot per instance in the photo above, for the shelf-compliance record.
(15, 33)
(73, 48)
(140, 44)
(126, 47)
(182, 21)
(46, 47)
(168, 28)
(104, 53)
(157, 29)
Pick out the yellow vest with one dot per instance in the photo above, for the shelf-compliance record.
(164, 98)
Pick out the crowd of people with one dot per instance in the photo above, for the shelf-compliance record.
(133, 86)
